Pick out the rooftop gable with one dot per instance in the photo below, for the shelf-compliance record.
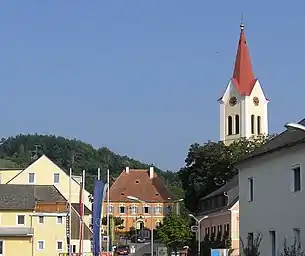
(25, 197)
(288, 138)
(138, 183)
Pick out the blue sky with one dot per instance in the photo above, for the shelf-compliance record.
(143, 77)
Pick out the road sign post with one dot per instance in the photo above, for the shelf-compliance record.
(194, 228)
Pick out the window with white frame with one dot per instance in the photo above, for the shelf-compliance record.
(59, 220)
(40, 245)
(59, 245)
(158, 210)
(122, 209)
(1, 248)
(250, 186)
(31, 178)
(111, 209)
(296, 171)
(134, 209)
(40, 219)
(213, 230)
(20, 219)
(146, 209)
(56, 178)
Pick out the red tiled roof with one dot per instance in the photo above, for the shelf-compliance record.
(243, 76)
(137, 183)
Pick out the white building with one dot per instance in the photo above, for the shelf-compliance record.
(272, 192)
(243, 106)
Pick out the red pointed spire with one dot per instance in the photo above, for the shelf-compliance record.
(243, 76)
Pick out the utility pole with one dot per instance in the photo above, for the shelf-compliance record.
(36, 151)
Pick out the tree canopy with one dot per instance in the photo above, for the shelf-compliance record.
(174, 231)
(210, 166)
(22, 150)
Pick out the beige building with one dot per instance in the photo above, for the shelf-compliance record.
(33, 220)
(45, 172)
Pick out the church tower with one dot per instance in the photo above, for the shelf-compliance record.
(243, 106)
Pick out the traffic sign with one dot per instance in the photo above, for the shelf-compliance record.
(194, 228)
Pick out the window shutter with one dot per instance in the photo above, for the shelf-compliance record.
(119, 209)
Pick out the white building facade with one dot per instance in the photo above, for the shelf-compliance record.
(272, 193)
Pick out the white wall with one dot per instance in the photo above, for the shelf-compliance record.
(275, 206)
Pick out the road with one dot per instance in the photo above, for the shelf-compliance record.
(146, 248)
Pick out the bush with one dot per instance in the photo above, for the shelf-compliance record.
(292, 250)
(252, 246)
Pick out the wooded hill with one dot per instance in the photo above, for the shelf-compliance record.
(22, 150)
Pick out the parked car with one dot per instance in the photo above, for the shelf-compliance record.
(122, 249)
(137, 239)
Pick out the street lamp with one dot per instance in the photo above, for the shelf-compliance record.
(198, 221)
(152, 229)
(294, 126)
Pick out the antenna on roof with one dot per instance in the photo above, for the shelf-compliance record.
(36, 151)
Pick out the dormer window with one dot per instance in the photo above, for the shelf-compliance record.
(157, 194)
(122, 193)
(137, 181)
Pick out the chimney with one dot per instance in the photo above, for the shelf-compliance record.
(151, 172)
(127, 169)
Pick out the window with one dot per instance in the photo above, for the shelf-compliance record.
(273, 242)
(219, 229)
(146, 209)
(252, 124)
(237, 124)
(56, 178)
(250, 183)
(59, 220)
(230, 125)
(297, 236)
(40, 219)
(31, 178)
(213, 229)
(133, 209)
(122, 209)
(296, 178)
(20, 219)
(158, 210)
(227, 227)
(59, 245)
(207, 230)
(258, 125)
(1, 248)
(40, 245)
(110, 209)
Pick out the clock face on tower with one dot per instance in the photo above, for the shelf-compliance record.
(256, 101)
(233, 101)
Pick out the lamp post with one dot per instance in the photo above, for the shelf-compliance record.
(152, 229)
(294, 126)
(198, 221)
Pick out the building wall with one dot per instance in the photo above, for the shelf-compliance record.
(244, 108)
(275, 207)
(16, 246)
(234, 230)
(50, 231)
(44, 170)
(7, 174)
(149, 220)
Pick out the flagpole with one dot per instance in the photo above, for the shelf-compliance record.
(70, 210)
(83, 210)
(108, 219)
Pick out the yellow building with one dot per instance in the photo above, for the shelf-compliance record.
(45, 172)
(33, 220)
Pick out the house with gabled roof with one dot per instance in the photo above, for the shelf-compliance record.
(33, 220)
(220, 213)
(155, 199)
(272, 192)
(43, 171)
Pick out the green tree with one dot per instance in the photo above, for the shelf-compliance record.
(174, 231)
(18, 151)
(210, 166)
